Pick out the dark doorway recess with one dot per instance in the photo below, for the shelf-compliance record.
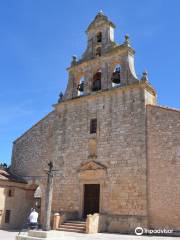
(91, 199)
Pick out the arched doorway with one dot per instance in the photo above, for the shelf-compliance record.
(37, 200)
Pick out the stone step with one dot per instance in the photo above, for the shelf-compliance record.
(71, 230)
(74, 224)
(72, 227)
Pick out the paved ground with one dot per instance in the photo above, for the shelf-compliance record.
(9, 235)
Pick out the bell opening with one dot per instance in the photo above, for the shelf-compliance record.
(80, 87)
(96, 85)
(116, 76)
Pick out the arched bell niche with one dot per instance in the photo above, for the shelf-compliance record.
(80, 87)
(116, 76)
(96, 81)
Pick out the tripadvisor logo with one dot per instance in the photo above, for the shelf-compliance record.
(140, 231)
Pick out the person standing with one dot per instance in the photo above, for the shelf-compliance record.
(33, 219)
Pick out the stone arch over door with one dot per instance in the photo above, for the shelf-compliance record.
(91, 173)
(37, 198)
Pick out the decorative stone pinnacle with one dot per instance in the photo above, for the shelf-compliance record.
(145, 76)
(145, 72)
(74, 60)
(126, 42)
(60, 97)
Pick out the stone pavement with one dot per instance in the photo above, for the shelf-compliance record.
(7, 235)
(10, 235)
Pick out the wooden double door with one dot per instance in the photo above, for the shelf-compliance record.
(91, 199)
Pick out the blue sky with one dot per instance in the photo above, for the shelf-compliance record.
(38, 38)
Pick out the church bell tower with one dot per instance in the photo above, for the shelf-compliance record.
(104, 65)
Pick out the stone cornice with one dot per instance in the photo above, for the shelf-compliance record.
(138, 84)
(163, 108)
(12, 184)
(122, 49)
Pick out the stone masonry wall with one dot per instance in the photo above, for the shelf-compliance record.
(120, 146)
(32, 150)
(163, 128)
(63, 137)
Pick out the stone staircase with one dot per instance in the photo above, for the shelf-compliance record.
(73, 226)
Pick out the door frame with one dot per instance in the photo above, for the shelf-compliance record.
(82, 183)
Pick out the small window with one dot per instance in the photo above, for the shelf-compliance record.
(99, 37)
(93, 125)
(7, 216)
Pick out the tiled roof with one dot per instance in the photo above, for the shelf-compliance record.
(7, 176)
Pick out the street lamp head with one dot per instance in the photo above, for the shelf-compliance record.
(50, 164)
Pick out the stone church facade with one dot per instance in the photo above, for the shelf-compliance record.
(117, 152)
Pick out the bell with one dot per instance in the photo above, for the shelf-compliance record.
(80, 87)
(116, 77)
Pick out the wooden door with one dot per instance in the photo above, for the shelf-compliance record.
(91, 199)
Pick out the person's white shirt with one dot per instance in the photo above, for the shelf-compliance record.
(33, 217)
